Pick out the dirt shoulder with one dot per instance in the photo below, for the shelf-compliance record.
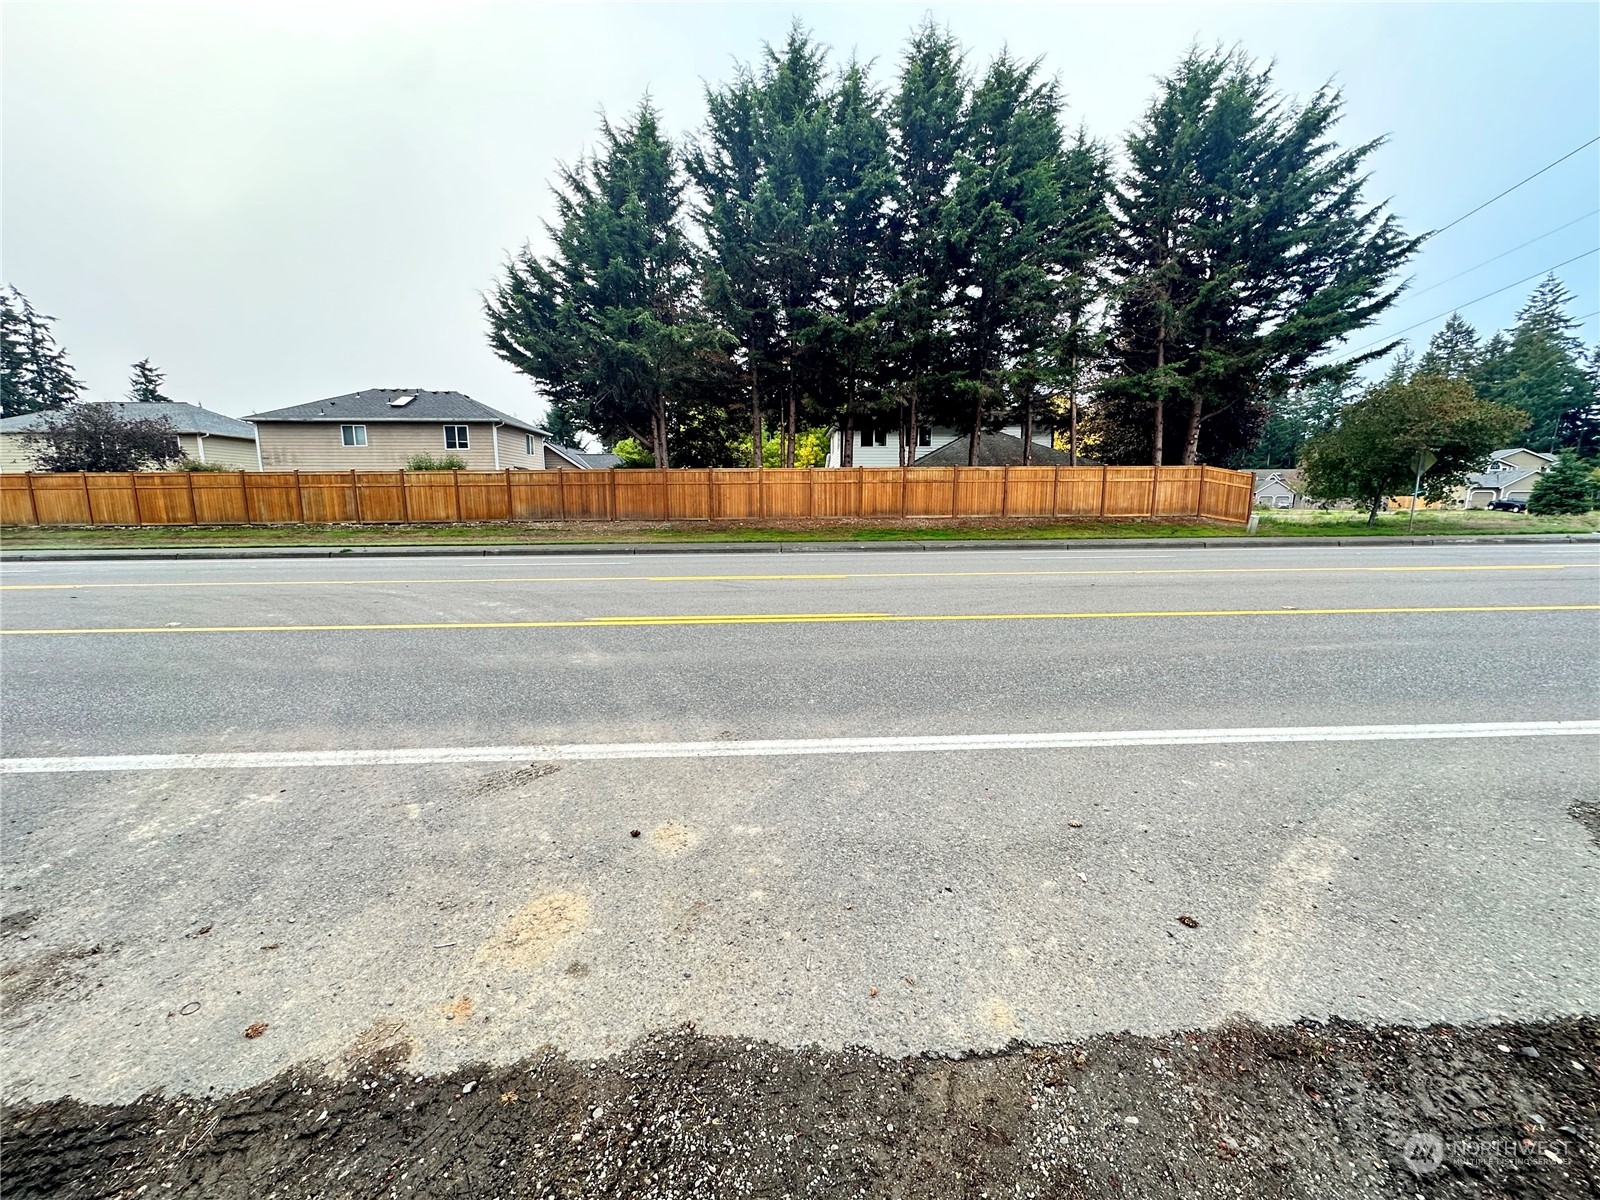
(1303, 1111)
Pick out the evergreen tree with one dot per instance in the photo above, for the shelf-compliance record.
(1540, 368)
(1245, 252)
(34, 372)
(1453, 351)
(1567, 487)
(608, 323)
(563, 430)
(1295, 419)
(145, 384)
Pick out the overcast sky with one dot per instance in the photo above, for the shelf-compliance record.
(278, 203)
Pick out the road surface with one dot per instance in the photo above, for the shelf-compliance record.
(843, 889)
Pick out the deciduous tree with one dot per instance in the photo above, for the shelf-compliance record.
(94, 437)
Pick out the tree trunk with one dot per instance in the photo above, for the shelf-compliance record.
(755, 415)
(1027, 431)
(1072, 428)
(908, 452)
(847, 440)
(789, 429)
(977, 432)
(658, 433)
(1161, 401)
(1191, 443)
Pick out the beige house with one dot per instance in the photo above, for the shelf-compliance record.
(203, 435)
(1509, 479)
(380, 429)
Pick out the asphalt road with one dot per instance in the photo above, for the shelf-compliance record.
(936, 900)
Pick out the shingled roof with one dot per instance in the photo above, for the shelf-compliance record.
(184, 418)
(994, 450)
(381, 404)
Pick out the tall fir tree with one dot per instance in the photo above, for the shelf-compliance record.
(35, 374)
(1539, 368)
(1246, 251)
(144, 386)
(607, 323)
(1452, 352)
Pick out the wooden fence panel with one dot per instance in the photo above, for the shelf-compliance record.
(327, 497)
(284, 497)
(980, 491)
(1128, 491)
(1178, 492)
(736, 493)
(836, 493)
(1078, 491)
(786, 493)
(164, 498)
(641, 495)
(1029, 491)
(484, 495)
(689, 495)
(930, 492)
(16, 501)
(219, 498)
(112, 500)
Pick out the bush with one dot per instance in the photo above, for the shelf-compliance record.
(427, 462)
(194, 464)
(94, 437)
(1565, 488)
(633, 454)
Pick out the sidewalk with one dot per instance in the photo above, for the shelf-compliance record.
(189, 553)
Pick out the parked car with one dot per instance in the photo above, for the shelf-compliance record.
(1508, 506)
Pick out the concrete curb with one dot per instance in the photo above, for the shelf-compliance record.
(557, 549)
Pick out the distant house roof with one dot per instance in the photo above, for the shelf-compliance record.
(574, 457)
(184, 418)
(395, 404)
(1288, 476)
(595, 462)
(1508, 452)
(994, 450)
(1498, 481)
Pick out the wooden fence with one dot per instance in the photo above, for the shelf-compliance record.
(874, 493)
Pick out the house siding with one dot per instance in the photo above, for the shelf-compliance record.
(14, 453)
(316, 445)
(236, 454)
(888, 454)
(514, 449)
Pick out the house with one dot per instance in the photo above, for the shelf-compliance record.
(878, 444)
(597, 461)
(995, 450)
(203, 435)
(1511, 476)
(557, 458)
(381, 428)
(1280, 488)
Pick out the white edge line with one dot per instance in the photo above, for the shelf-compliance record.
(781, 749)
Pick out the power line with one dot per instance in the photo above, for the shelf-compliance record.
(1514, 187)
(1498, 257)
(1457, 308)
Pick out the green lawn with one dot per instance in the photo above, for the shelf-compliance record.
(1430, 523)
(1278, 524)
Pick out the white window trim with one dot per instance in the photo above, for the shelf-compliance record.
(466, 437)
(354, 445)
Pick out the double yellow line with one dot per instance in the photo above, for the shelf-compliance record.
(840, 618)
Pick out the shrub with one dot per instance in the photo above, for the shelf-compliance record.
(427, 462)
(194, 464)
(633, 454)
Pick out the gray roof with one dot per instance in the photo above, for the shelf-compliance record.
(1498, 481)
(184, 418)
(374, 404)
(1288, 476)
(994, 450)
(597, 462)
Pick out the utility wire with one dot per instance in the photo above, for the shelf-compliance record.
(1514, 187)
(1457, 308)
(1498, 257)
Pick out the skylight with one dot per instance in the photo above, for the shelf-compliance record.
(401, 401)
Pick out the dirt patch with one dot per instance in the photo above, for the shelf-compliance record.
(458, 1009)
(56, 972)
(532, 933)
(381, 1047)
(1587, 814)
(672, 839)
(1307, 1111)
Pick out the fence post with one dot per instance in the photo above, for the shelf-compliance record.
(133, 485)
(761, 492)
(711, 494)
(299, 498)
(88, 501)
(860, 491)
(33, 501)
(511, 508)
(405, 500)
(811, 492)
(244, 498)
(613, 500)
(194, 514)
(1200, 497)
(1105, 486)
(1005, 491)
(455, 490)
(355, 494)
(1155, 489)
(902, 492)
(561, 490)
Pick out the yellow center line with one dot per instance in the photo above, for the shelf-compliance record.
(764, 578)
(812, 618)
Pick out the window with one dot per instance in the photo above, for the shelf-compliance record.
(531, 442)
(866, 436)
(924, 435)
(455, 437)
(353, 435)
(882, 436)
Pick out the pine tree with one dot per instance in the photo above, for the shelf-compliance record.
(1245, 251)
(145, 384)
(1567, 487)
(1540, 368)
(35, 374)
(563, 430)
(1453, 351)
(607, 322)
